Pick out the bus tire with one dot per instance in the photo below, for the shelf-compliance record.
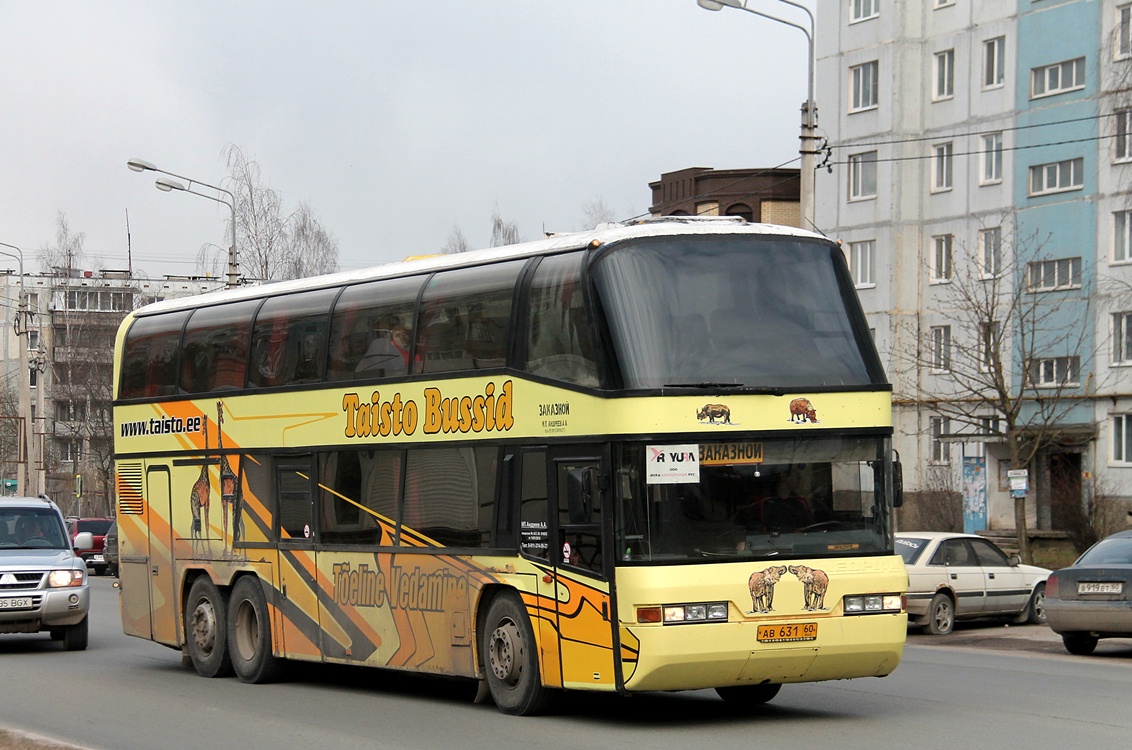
(206, 632)
(249, 633)
(748, 695)
(511, 658)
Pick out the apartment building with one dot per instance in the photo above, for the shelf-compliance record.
(981, 165)
(69, 326)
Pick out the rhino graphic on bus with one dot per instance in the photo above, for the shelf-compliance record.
(712, 412)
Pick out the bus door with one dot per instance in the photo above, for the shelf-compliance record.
(581, 557)
(298, 580)
(152, 571)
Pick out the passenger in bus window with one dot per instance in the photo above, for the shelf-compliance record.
(389, 351)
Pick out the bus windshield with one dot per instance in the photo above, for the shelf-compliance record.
(745, 310)
(810, 497)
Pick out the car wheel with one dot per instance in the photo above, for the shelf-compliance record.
(249, 633)
(1080, 644)
(511, 658)
(1036, 614)
(206, 630)
(75, 636)
(941, 615)
(748, 695)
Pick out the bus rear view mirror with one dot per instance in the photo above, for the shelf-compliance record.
(897, 483)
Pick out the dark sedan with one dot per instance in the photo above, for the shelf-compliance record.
(1092, 598)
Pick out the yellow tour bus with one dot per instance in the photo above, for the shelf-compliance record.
(650, 457)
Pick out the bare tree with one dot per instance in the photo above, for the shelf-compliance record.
(67, 252)
(261, 228)
(967, 365)
(597, 212)
(311, 250)
(503, 232)
(456, 242)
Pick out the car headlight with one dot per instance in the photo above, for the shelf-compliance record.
(872, 604)
(60, 579)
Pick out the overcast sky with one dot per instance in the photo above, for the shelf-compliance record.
(396, 121)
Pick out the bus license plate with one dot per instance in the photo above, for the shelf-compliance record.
(798, 631)
(21, 603)
(1097, 587)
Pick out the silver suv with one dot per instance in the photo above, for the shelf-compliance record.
(43, 582)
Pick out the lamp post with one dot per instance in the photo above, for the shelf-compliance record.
(809, 108)
(23, 479)
(140, 165)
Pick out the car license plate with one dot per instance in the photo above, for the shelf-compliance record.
(21, 603)
(1100, 587)
(798, 631)
(98, 558)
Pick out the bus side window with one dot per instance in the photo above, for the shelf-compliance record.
(465, 318)
(559, 341)
(289, 339)
(449, 493)
(534, 537)
(149, 361)
(255, 509)
(216, 347)
(362, 325)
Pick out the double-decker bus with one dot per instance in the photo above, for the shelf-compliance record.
(649, 457)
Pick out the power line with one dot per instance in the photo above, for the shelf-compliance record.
(917, 139)
(975, 153)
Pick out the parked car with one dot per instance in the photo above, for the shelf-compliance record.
(43, 580)
(1092, 598)
(95, 556)
(963, 576)
(110, 549)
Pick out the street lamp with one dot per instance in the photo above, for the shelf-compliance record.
(809, 109)
(23, 479)
(140, 165)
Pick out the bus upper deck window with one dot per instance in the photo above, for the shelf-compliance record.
(151, 353)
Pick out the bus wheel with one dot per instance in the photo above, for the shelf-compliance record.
(205, 630)
(249, 633)
(748, 695)
(511, 659)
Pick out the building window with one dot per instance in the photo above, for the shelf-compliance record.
(988, 345)
(1054, 372)
(991, 159)
(1057, 177)
(862, 260)
(1123, 138)
(863, 176)
(862, 10)
(1049, 275)
(1121, 236)
(990, 252)
(941, 167)
(1057, 78)
(944, 75)
(864, 86)
(937, 428)
(1122, 438)
(941, 257)
(994, 62)
(1123, 31)
(70, 451)
(941, 348)
(1122, 338)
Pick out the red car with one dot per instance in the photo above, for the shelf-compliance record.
(94, 557)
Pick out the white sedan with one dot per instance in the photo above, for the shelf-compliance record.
(963, 576)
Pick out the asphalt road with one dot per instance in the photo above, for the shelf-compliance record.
(985, 685)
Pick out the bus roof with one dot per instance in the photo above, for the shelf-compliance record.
(602, 235)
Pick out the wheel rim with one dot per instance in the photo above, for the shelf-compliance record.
(506, 653)
(1040, 606)
(247, 631)
(943, 616)
(204, 627)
